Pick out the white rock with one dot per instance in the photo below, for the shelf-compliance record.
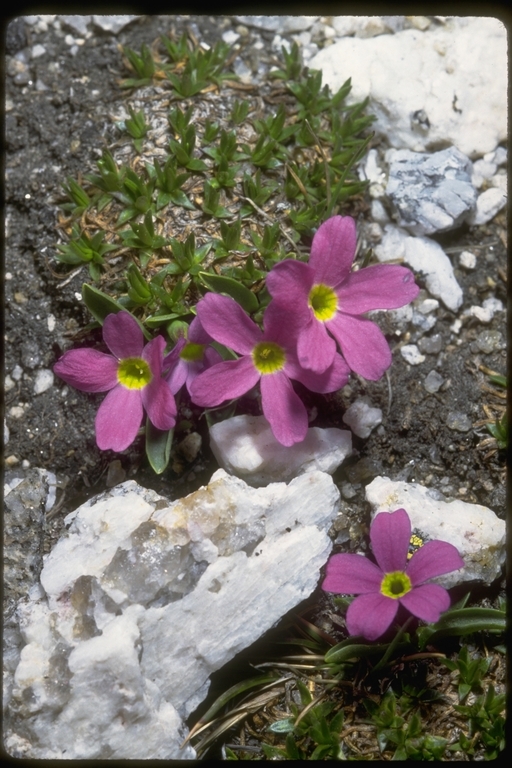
(38, 50)
(486, 312)
(427, 306)
(488, 204)
(500, 180)
(113, 24)
(77, 24)
(467, 260)
(411, 354)
(444, 86)
(475, 530)
(482, 170)
(120, 645)
(361, 26)
(230, 36)
(44, 380)
(361, 417)
(379, 213)
(425, 256)
(245, 446)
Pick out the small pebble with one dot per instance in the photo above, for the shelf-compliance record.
(411, 354)
(8, 383)
(17, 372)
(230, 37)
(489, 341)
(458, 421)
(50, 320)
(38, 50)
(44, 380)
(16, 412)
(431, 345)
(11, 461)
(433, 382)
(467, 260)
(348, 491)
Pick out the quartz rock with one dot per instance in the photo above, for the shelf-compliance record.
(424, 256)
(361, 417)
(431, 192)
(488, 204)
(476, 531)
(429, 89)
(411, 354)
(144, 598)
(245, 446)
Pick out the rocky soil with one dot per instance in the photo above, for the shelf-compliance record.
(58, 106)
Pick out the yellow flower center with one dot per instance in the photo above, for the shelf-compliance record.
(395, 584)
(268, 357)
(134, 373)
(323, 301)
(192, 352)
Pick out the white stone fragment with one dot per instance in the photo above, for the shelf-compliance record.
(488, 204)
(361, 417)
(476, 531)
(440, 87)
(486, 312)
(411, 354)
(120, 645)
(230, 36)
(44, 380)
(112, 23)
(467, 260)
(500, 180)
(425, 256)
(38, 50)
(245, 446)
(482, 170)
(427, 306)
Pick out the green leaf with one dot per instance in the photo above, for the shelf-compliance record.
(282, 726)
(100, 305)
(158, 447)
(220, 284)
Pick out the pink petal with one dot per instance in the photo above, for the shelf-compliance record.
(383, 286)
(224, 381)
(177, 376)
(433, 559)
(88, 370)
(227, 323)
(174, 355)
(289, 283)
(283, 409)
(390, 533)
(158, 400)
(153, 354)
(352, 575)
(197, 334)
(118, 419)
(122, 335)
(282, 324)
(371, 615)
(211, 357)
(363, 345)
(334, 378)
(427, 602)
(315, 348)
(333, 250)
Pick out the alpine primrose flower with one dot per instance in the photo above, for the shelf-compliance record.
(394, 580)
(329, 300)
(189, 357)
(132, 375)
(268, 357)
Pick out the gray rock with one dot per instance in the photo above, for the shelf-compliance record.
(44, 380)
(476, 532)
(431, 345)
(490, 341)
(433, 382)
(144, 598)
(245, 446)
(458, 422)
(77, 24)
(431, 193)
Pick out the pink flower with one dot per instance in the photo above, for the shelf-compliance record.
(189, 357)
(329, 301)
(268, 357)
(132, 373)
(394, 580)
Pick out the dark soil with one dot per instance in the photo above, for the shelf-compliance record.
(59, 132)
